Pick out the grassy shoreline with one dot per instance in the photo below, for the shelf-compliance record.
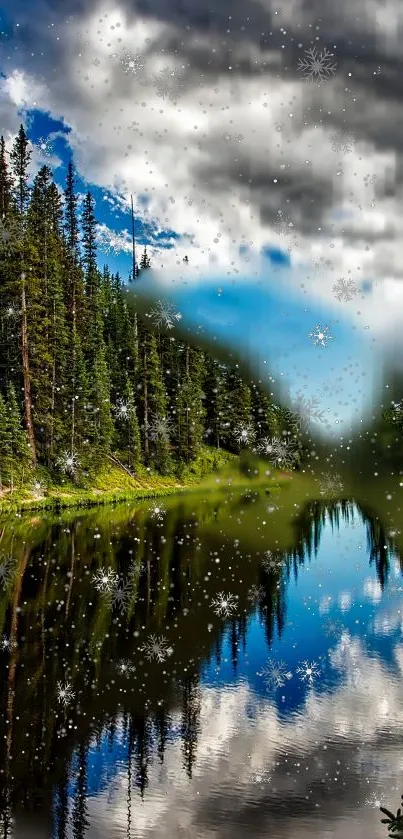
(112, 485)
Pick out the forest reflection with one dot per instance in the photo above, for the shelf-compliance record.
(60, 632)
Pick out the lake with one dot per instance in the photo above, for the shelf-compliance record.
(202, 667)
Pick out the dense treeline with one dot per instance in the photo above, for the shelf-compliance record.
(83, 377)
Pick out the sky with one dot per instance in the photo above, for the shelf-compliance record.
(237, 158)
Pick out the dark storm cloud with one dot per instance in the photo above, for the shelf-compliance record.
(240, 43)
(302, 195)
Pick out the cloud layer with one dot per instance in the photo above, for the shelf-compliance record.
(210, 115)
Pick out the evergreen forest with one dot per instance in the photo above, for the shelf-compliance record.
(84, 379)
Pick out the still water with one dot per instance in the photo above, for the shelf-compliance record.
(198, 669)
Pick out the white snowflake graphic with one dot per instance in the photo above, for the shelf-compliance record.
(307, 411)
(120, 594)
(157, 512)
(271, 562)
(275, 673)
(317, 66)
(321, 336)
(375, 799)
(170, 82)
(161, 428)
(342, 142)
(105, 580)
(344, 290)
(224, 604)
(256, 594)
(330, 484)
(44, 146)
(65, 693)
(111, 242)
(308, 671)
(156, 648)
(7, 644)
(333, 628)
(281, 453)
(133, 64)
(68, 463)
(125, 667)
(7, 568)
(260, 776)
(165, 314)
(244, 434)
(122, 409)
(284, 224)
(234, 138)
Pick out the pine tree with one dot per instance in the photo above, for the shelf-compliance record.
(89, 250)
(5, 184)
(145, 261)
(153, 402)
(190, 411)
(5, 444)
(20, 157)
(19, 445)
(75, 308)
(128, 438)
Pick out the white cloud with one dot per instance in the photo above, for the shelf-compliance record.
(337, 731)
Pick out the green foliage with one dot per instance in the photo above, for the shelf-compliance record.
(97, 383)
(394, 822)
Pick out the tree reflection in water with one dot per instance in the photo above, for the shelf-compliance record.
(60, 629)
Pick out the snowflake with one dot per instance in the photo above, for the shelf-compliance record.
(317, 66)
(308, 671)
(105, 580)
(44, 146)
(333, 628)
(122, 409)
(279, 452)
(260, 776)
(330, 484)
(165, 314)
(375, 799)
(224, 604)
(125, 668)
(321, 336)
(161, 428)
(68, 463)
(156, 647)
(235, 138)
(111, 242)
(170, 83)
(132, 63)
(157, 512)
(256, 593)
(7, 644)
(12, 311)
(6, 571)
(119, 596)
(344, 290)
(5, 234)
(65, 693)
(275, 673)
(244, 434)
(284, 225)
(307, 411)
(342, 142)
(272, 563)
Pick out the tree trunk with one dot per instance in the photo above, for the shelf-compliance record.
(26, 375)
(146, 446)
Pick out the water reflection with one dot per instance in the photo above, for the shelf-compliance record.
(161, 714)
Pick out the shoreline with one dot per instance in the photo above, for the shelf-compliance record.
(59, 498)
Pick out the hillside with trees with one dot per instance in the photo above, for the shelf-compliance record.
(84, 379)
